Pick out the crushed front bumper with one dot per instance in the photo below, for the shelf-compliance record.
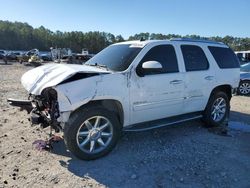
(37, 117)
(23, 104)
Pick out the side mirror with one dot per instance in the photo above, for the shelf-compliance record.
(151, 65)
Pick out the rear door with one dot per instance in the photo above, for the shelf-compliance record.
(199, 77)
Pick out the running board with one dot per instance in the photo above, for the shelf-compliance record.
(162, 123)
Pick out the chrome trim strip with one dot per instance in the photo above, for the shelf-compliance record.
(194, 96)
(145, 103)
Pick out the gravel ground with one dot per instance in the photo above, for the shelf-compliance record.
(184, 155)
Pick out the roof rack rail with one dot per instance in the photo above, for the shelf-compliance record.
(196, 40)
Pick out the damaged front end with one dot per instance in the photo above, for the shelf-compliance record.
(44, 99)
(43, 109)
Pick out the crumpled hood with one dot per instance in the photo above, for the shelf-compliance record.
(35, 80)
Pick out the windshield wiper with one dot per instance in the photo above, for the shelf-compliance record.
(98, 65)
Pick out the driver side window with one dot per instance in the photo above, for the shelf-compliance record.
(165, 55)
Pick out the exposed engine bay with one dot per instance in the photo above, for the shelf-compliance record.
(43, 109)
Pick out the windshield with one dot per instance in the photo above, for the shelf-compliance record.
(245, 67)
(115, 57)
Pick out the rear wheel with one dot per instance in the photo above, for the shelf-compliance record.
(244, 88)
(92, 132)
(217, 109)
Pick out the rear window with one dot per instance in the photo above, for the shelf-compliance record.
(224, 57)
(194, 58)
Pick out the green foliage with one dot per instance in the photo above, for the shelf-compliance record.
(22, 36)
(235, 43)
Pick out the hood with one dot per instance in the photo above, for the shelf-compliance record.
(245, 75)
(35, 80)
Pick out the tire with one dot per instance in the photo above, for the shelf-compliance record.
(87, 137)
(217, 109)
(244, 87)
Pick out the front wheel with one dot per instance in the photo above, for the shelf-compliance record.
(92, 133)
(217, 109)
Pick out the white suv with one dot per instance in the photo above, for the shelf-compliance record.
(135, 85)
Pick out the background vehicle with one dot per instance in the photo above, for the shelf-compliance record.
(26, 56)
(244, 56)
(2, 54)
(46, 56)
(34, 61)
(243, 60)
(12, 56)
(244, 86)
(75, 58)
(133, 86)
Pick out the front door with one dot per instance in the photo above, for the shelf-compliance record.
(157, 94)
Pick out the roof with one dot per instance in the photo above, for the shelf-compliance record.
(196, 40)
(186, 40)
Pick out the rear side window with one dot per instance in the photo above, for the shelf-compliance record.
(194, 58)
(164, 54)
(224, 57)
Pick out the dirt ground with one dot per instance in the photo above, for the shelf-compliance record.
(184, 155)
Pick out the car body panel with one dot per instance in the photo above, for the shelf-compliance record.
(35, 80)
(71, 96)
(245, 72)
(244, 75)
(153, 96)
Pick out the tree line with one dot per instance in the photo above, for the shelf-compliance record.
(22, 36)
(236, 43)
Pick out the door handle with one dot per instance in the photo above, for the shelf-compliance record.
(209, 77)
(176, 82)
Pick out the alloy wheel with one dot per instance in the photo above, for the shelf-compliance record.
(94, 135)
(218, 109)
(244, 88)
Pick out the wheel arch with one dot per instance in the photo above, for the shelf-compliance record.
(110, 104)
(219, 91)
(224, 88)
